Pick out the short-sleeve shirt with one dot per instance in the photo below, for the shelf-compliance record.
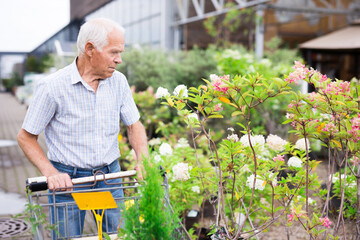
(81, 126)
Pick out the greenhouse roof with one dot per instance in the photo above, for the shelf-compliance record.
(344, 39)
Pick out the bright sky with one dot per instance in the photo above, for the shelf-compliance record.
(25, 24)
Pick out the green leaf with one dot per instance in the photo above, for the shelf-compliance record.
(107, 237)
(236, 113)
(216, 116)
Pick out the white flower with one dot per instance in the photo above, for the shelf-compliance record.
(324, 117)
(183, 142)
(275, 142)
(259, 184)
(266, 62)
(245, 168)
(162, 92)
(263, 201)
(195, 189)
(231, 129)
(165, 149)
(181, 171)
(251, 69)
(239, 218)
(289, 115)
(192, 116)
(181, 88)
(334, 178)
(234, 137)
(229, 53)
(257, 140)
(154, 141)
(311, 201)
(213, 77)
(273, 179)
(157, 158)
(300, 144)
(295, 162)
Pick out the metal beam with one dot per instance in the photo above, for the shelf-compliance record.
(259, 32)
(313, 10)
(220, 10)
(241, 2)
(198, 8)
(217, 5)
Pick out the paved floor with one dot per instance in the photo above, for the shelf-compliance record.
(14, 167)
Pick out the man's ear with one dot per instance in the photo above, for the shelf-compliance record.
(89, 49)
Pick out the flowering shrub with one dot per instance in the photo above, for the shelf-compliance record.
(267, 116)
(266, 179)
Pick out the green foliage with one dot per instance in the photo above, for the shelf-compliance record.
(15, 80)
(153, 67)
(238, 61)
(220, 28)
(150, 217)
(350, 192)
(36, 218)
(32, 64)
(46, 62)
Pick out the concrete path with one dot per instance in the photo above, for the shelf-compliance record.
(14, 166)
(14, 170)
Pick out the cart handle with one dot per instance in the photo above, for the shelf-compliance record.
(36, 184)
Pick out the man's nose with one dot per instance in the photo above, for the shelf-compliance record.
(118, 59)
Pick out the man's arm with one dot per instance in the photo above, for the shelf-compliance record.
(29, 144)
(138, 141)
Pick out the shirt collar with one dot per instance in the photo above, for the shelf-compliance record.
(75, 75)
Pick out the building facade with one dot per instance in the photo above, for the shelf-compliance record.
(179, 24)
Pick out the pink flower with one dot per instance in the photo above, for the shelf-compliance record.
(330, 127)
(332, 88)
(291, 217)
(218, 83)
(291, 105)
(298, 65)
(344, 87)
(300, 73)
(279, 158)
(312, 96)
(355, 160)
(325, 222)
(355, 128)
(337, 87)
(218, 107)
(323, 78)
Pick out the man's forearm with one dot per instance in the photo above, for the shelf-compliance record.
(30, 146)
(36, 155)
(138, 140)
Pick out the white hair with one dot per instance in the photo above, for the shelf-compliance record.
(96, 31)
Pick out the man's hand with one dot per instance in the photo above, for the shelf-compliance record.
(139, 170)
(60, 181)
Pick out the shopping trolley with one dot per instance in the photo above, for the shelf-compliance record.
(94, 200)
(86, 199)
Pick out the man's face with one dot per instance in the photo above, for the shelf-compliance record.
(104, 62)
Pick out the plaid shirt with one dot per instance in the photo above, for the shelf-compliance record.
(81, 126)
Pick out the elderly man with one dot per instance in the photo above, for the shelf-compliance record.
(79, 108)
